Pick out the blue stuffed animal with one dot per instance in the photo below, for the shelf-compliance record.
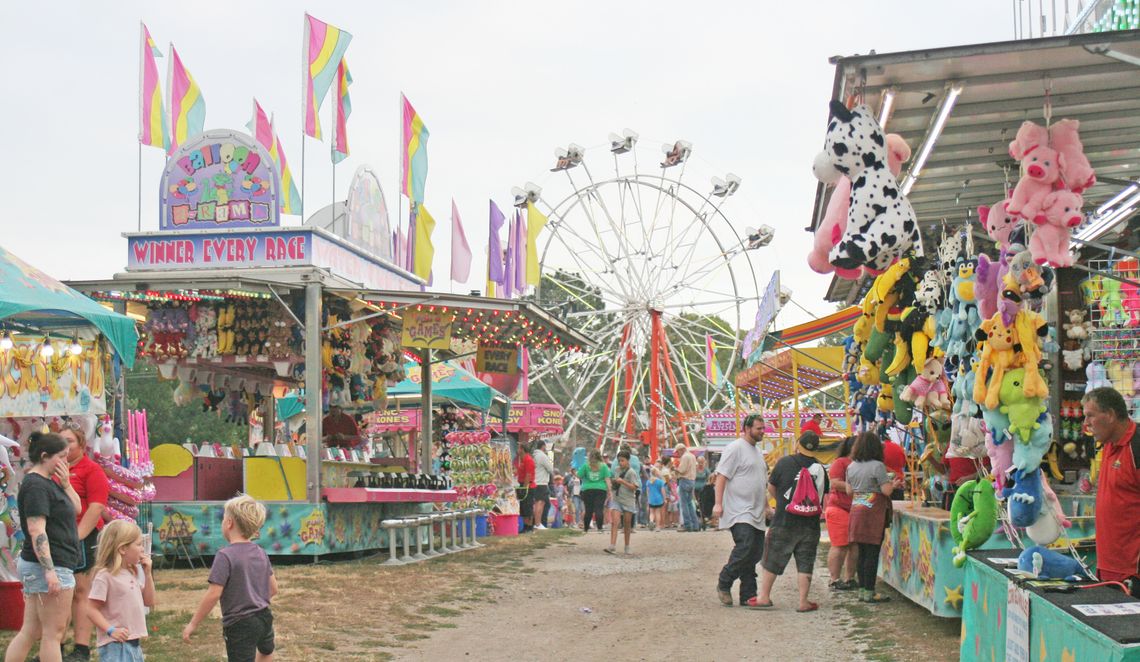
(1024, 497)
(1047, 564)
(997, 423)
(1027, 456)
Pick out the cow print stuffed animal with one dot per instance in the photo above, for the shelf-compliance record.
(881, 224)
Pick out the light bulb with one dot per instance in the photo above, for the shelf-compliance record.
(76, 349)
(6, 342)
(47, 351)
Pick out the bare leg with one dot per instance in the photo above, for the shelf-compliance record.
(615, 521)
(804, 583)
(852, 562)
(538, 506)
(262, 657)
(30, 632)
(55, 613)
(627, 528)
(835, 558)
(79, 608)
(767, 579)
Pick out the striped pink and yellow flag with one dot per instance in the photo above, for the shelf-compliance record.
(343, 110)
(324, 46)
(261, 128)
(153, 129)
(187, 105)
(288, 197)
(415, 163)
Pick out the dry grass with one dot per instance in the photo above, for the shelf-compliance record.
(349, 610)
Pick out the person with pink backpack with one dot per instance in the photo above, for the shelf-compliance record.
(798, 483)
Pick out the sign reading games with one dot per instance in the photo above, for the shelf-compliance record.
(220, 179)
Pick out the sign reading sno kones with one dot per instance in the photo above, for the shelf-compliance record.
(220, 179)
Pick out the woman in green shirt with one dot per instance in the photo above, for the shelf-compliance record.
(595, 477)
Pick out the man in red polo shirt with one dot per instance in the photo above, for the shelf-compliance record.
(1118, 487)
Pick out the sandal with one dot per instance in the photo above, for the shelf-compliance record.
(812, 606)
(840, 585)
(875, 598)
(851, 584)
(753, 603)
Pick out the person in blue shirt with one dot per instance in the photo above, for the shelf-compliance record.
(656, 493)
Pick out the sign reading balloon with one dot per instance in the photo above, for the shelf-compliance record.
(220, 179)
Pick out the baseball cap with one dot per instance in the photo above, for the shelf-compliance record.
(809, 441)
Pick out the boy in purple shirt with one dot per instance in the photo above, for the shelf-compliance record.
(242, 579)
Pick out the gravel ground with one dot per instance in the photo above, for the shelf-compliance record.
(659, 602)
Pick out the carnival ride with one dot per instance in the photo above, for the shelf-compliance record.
(654, 271)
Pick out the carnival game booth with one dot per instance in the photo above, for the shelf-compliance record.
(985, 166)
(239, 309)
(60, 355)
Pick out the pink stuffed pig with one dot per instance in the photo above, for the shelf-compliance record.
(1040, 170)
(1060, 213)
(834, 222)
(998, 222)
(1076, 171)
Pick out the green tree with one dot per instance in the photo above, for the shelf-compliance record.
(170, 423)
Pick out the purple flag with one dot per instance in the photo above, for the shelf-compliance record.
(509, 262)
(495, 246)
(520, 253)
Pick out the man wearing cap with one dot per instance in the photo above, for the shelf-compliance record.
(543, 472)
(686, 478)
(795, 525)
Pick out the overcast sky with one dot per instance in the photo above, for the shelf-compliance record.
(499, 85)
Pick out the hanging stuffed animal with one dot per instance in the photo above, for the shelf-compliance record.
(1129, 269)
(1075, 328)
(1000, 454)
(967, 436)
(881, 225)
(1040, 170)
(1052, 522)
(929, 388)
(1076, 171)
(950, 250)
(1023, 497)
(1023, 410)
(998, 356)
(973, 517)
(1096, 376)
(1027, 453)
(1060, 213)
(998, 222)
(1112, 312)
(834, 223)
(987, 286)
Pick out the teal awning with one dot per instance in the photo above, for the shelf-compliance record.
(35, 299)
(451, 382)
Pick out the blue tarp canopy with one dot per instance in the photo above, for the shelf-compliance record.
(450, 382)
(33, 299)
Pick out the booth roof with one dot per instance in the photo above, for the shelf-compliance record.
(33, 299)
(451, 382)
(502, 321)
(771, 378)
(1003, 84)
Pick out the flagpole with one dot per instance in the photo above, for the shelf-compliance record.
(140, 185)
(302, 170)
(332, 149)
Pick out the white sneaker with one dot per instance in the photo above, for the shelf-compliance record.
(539, 527)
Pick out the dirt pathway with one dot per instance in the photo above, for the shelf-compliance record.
(574, 599)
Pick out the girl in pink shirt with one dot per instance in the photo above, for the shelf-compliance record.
(123, 587)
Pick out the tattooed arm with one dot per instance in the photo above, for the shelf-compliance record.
(37, 531)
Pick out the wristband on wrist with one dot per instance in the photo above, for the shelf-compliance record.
(111, 631)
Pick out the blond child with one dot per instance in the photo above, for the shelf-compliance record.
(242, 579)
(121, 591)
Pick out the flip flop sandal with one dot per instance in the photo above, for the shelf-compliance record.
(812, 606)
(752, 603)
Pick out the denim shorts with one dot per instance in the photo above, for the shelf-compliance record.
(129, 651)
(248, 636)
(34, 581)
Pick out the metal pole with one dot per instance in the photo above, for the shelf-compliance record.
(140, 186)
(425, 411)
(302, 169)
(313, 390)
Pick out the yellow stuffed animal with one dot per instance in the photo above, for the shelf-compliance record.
(999, 355)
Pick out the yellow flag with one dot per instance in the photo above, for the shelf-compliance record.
(535, 221)
(425, 251)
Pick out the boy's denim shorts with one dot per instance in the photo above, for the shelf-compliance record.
(34, 581)
(129, 651)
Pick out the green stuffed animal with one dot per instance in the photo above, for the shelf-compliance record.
(973, 517)
(1022, 411)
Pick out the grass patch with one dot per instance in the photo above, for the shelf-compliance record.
(435, 610)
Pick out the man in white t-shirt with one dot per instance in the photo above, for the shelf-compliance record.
(742, 506)
(543, 472)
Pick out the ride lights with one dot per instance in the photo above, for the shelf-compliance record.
(75, 349)
(6, 342)
(953, 91)
(46, 350)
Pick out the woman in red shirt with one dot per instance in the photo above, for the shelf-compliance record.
(838, 516)
(524, 473)
(92, 485)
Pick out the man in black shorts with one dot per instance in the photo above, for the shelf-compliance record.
(795, 531)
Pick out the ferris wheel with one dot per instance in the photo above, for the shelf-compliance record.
(645, 261)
